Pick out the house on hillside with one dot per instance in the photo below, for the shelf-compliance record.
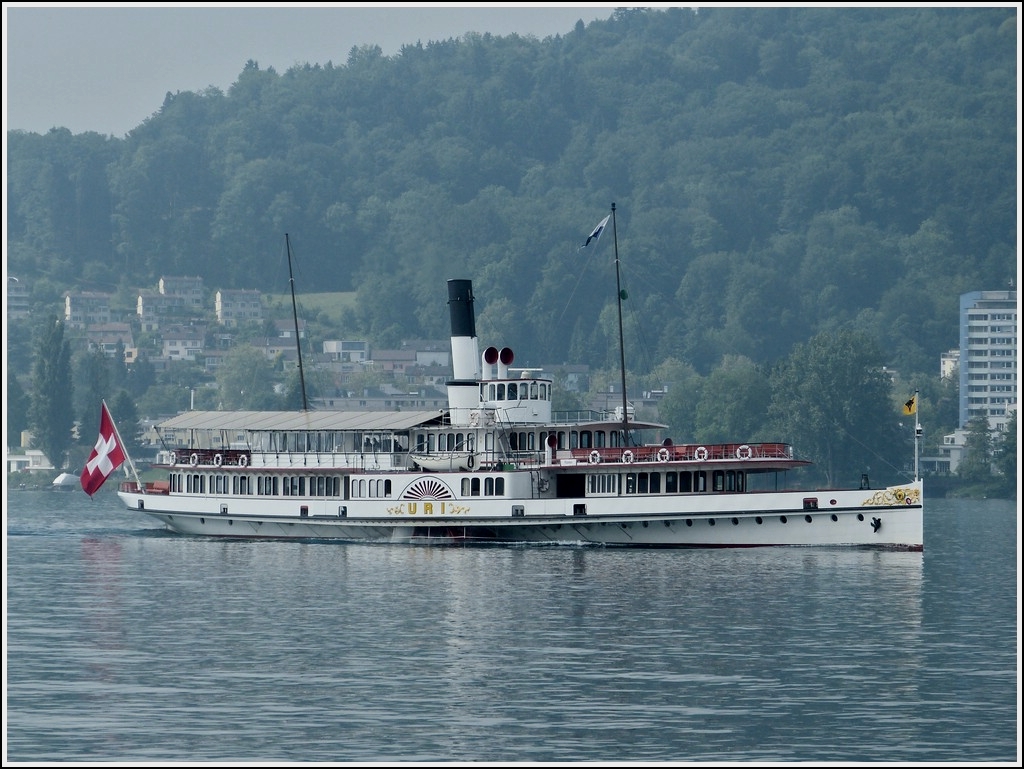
(238, 306)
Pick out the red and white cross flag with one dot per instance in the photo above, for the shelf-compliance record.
(107, 455)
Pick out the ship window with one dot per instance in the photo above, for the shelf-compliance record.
(501, 392)
(489, 487)
(533, 391)
(642, 486)
(670, 483)
(655, 483)
(600, 439)
(474, 487)
(499, 487)
(586, 439)
(700, 481)
(387, 487)
(512, 392)
(718, 480)
(574, 439)
(631, 483)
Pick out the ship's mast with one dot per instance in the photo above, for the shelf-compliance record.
(295, 318)
(622, 349)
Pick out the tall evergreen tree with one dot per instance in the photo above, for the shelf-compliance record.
(17, 409)
(51, 411)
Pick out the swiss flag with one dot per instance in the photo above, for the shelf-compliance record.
(107, 455)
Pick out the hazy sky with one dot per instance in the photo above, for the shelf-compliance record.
(107, 69)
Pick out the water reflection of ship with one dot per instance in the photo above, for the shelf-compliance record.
(101, 559)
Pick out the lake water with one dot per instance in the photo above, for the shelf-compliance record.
(128, 643)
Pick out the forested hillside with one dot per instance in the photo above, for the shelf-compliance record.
(777, 172)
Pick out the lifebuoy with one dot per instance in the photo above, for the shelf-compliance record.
(743, 452)
(470, 462)
(701, 453)
(173, 458)
(594, 457)
(663, 455)
(243, 460)
(627, 457)
(194, 459)
(218, 460)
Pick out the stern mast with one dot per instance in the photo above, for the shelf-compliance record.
(622, 349)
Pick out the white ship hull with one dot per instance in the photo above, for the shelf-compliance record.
(889, 518)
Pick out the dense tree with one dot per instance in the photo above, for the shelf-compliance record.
(92, 379)
(832, 399)
(245, 380)
(126, 417)
(1006, 459)
(976, 464)
(16, 409)
(51, 411)
(734, 400)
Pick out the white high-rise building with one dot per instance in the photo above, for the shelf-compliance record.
(988, 357)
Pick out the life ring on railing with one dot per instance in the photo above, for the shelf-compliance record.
(194, 459)
(743, 452)
(173, 459)
(218, 460)
(243, 460)
(594, 457)
(663, 455)
(701, 453)
(627, 457)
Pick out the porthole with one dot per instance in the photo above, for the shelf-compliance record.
(645, 524)
(689, 522)
(668, 524)
(759, 520)
(782, 518)
(230, 522)
(711, 521)
(808, 518)
(835, 517)
(202, 520)
(860, 516)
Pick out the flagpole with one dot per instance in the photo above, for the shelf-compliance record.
(124, 448)
(622, 350)
(917, 435)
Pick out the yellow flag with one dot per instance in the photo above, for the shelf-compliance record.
(910, 407)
